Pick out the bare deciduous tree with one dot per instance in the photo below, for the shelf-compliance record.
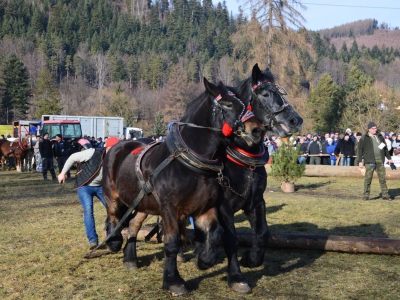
(102, 66)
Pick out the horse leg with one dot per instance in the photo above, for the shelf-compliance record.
(236, 280)
(115, 211)
(130, 255)
(172, 281)
(19, 160)
(208, 236)
(255, 256)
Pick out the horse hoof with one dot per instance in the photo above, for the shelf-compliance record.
(177, 290)
(181, 258)
(241, 287)
(130, 265)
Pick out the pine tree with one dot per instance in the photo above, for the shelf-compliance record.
(47, 97)
(159, 126)
(284, 165)
(16, 90)
(324, 104)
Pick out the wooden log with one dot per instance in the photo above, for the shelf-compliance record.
(339, 171)
(345, 244)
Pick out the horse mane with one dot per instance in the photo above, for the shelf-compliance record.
(202, 103)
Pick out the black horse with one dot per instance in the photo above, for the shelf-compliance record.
(177, 179)
(245, 175)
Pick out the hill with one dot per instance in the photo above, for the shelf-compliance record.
(380, 37)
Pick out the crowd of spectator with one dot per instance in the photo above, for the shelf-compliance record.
(332, 148)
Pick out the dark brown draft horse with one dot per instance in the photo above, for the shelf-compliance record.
(245, 175)
(185, 186)
(15, 149)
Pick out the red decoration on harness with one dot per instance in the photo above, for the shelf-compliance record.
(248, 114)
(136, 151)
(249, 107)
(226, 129)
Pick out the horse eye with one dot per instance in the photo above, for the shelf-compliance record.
(265, 94)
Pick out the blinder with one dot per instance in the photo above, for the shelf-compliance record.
(231, 121)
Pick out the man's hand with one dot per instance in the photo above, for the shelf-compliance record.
(61, 177)
(361, 164)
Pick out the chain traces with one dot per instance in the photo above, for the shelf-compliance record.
(224, 182)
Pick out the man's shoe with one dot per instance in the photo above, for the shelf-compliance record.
(387, 198)
(93, 245)
(366, 198)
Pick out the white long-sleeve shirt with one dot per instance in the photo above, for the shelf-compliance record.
(82, 157)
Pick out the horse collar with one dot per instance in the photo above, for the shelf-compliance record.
(247, 159)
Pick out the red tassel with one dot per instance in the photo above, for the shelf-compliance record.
(136, 151)
(249, 108)
(227, 129)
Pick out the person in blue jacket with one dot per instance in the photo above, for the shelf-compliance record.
(330, 149)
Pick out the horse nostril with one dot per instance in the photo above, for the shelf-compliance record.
(256, 132)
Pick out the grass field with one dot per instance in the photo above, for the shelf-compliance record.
(42, 241)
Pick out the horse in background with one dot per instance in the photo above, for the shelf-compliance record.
(15, 149)
(27, 161)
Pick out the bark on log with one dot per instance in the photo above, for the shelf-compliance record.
(332, 171)
(346, 244)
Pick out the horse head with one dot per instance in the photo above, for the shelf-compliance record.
(224, 114)
(229, 113)
(266, 100)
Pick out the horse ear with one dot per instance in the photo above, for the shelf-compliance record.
(256, 73)
(211, 88)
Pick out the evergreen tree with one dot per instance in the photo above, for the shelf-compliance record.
(344, 53)
(325, 103)
(47, 97)
(16, 90)
(159, 126)
(284, 165)
(357, 79)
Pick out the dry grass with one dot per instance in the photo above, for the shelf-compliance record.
(42, 240)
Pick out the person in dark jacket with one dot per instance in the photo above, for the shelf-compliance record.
(372, 150)
(358, 137)
(61, 151)
(314, 150)
(302, 145)
(88, 183)
(46, 152)
(346, 148)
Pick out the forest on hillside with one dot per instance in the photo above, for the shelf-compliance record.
(138, 59)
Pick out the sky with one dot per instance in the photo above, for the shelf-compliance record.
(321, 14)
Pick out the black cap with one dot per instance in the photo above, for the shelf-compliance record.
(358, 134)
(371, 124)
(59, 135)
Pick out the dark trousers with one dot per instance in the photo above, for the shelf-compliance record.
(61, 162)
(48, 165)
(326, 160)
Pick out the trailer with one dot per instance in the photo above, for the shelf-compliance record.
(90, 125)
(25, 127)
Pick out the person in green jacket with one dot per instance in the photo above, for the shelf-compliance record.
(372, 150)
